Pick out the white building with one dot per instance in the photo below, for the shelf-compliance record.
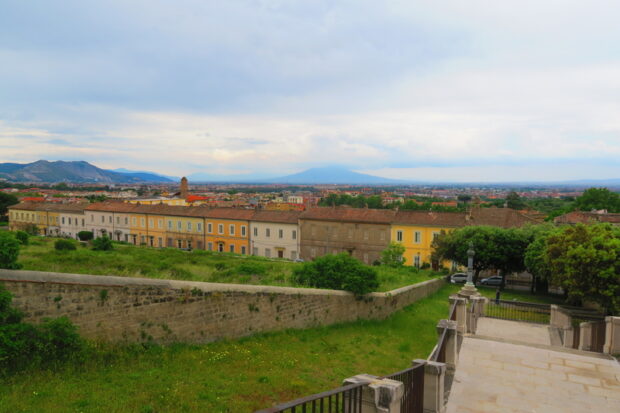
(275, 234)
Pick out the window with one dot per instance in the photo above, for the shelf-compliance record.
(160, 242)
(179, 243)
(110, 219)
(399, 236)
(189, 244)
(313, 252)
(255, 232)
(220, 228)
(69, 220)
(417, 237)
(365, 234)
(118, 220)
(231, 229)
(63, 220)
(142, 222)
(267, 232)
(133, 221)
(189, 226)
(382, 235)
(254, 250)
(267, 252)
(169, 224)
(160, 223)
(416, 260)
(169, 242)
(179, 225)
(232, 248)
(280, 233)
(150, 223)
(243, 230)
(209, 228)
(142, 239)
(102, 219)
(243, 250)
(82, 221)
(435, 235)
(126, 221)
(210, 246)
(199, 227)
(294, 234)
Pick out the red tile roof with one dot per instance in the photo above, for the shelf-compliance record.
(375, 216)
(429, 218)
(284, 217)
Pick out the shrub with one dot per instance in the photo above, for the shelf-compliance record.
(64, 245)
(22, 237)
(337, 272)
(85, 235)
(102, 244)
(425, 266)
(25, 345)
(392, 256)
(251, 268)
(9, 251)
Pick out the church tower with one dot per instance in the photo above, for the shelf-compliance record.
(184, 188)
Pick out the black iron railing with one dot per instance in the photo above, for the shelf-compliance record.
(518, 311)
(413, 381)
(345, 399)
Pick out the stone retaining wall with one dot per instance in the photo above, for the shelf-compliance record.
(114, 308)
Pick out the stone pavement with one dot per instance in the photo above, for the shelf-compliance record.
(494, 375)
(513, 330)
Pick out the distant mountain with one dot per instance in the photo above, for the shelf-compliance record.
(73, 171)
(147, 175)
(333, 175)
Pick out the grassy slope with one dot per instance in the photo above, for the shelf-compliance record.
(132, 261)
(231, 376)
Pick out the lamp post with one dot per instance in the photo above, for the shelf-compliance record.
(469, 289)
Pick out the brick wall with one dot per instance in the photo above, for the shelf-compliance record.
(136, 309)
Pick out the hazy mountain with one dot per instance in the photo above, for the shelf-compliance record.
(333, 175)
(74, 171)
(147, 174)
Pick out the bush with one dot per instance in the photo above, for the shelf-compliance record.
(392, 256)
(64, 245)
(22, 237)
(25, 345)
(85, 235)
(9, 251)
(251, 268)
(337, 272)
(102, 244)
(425, 266)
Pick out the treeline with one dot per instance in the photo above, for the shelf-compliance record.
(584, 260)
(376, 202)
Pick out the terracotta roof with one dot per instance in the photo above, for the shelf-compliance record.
(582, 217)
(375, 216)
(49, 207)
(499, 217)
(228, 213)
(285, 217)
(430, 218)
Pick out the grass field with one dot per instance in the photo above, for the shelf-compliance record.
(230, 376)
(197, 265)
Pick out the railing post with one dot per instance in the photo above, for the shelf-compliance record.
(451, 343)
(585, 336)
(434, 392)
(569, 334)
(461, 313)
(612, 335)
(476, 310)
(379, 395)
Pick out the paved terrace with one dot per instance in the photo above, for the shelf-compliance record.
(509, 366)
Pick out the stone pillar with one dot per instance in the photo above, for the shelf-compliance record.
(378, 395)
(612, 335)
(451, 343)
(475, 311)
(434, 378)
(461, 313)
(568, 337)
(585, 336)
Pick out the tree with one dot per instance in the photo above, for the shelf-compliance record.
(6, 200)
(9, 251)
(495, 248)
(22, 237)
(514, 201)
(337, 272)
(392, 256)
(598, 198)
(102, 244)
(534, 256)
(585, 261)
(64, 245)
(85, 235)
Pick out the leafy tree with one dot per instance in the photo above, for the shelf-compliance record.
(598, 198)
(85, 235)
(514, 201)
(22, 237)
(64, 245)
(337, 272)
(392, 256)
(6, 200)
(102, 244)
(9, 251)
(585, 261)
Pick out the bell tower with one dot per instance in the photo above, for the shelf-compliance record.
(184, 188)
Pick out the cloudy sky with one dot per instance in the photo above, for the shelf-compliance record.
(450, 90)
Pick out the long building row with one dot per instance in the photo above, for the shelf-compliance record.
(363, 233)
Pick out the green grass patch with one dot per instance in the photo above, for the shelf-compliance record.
(230, 376)
(525, 296)
(169, 263)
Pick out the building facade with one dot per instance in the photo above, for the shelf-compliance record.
(275, 234)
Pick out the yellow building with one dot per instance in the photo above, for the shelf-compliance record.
(228, 229)
(173, 227)
(46, 218)
(158, 201)
(416, 230)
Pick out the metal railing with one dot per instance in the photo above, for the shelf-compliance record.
(413, 382)
(518, 311)
(345, 399)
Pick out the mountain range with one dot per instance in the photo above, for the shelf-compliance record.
(72, 171)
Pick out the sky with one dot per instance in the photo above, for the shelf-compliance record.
(417, 90)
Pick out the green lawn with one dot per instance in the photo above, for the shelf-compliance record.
(197, 265)
(514, 295)
(230, 376)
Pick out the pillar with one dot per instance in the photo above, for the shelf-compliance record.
(612, 335)
(585, 336)
(451, 342)
(378, 395)
(461, 313)
(434, 378)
